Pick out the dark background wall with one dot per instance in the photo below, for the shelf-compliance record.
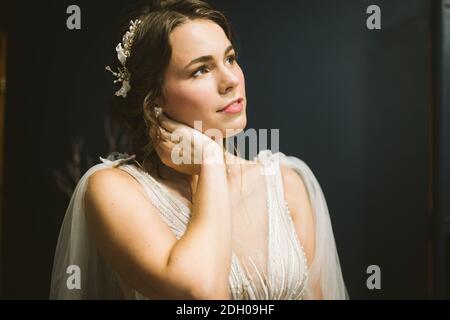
(352, 103)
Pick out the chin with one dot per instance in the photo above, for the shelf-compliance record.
(235, 127)
(226, 127)
(234, 133)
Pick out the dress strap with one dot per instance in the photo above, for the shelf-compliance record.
(282, 233)
(271, 170)
(116, 158)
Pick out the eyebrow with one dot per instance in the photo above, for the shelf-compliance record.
(207, 58)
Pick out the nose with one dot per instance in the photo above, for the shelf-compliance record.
(228, 80)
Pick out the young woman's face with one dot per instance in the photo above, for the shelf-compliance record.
(200, 90)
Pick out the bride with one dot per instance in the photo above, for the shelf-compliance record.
(148, 226)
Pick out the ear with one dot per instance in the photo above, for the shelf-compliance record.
(160, 102)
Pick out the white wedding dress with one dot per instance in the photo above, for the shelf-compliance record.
(268, 260)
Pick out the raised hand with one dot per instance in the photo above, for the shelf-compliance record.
(186, 149)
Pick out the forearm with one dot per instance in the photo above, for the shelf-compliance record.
(203, 255)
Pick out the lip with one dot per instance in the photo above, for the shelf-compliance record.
(234, 106)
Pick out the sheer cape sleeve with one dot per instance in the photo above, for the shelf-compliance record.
(78, 271)
(325, 275)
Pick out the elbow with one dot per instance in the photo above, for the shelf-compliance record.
(211, 288)
(197, 288)
(204, 292)
(198, 284)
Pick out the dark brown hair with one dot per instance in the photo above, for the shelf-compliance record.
(149, 58)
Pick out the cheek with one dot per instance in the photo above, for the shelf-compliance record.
(186, 103)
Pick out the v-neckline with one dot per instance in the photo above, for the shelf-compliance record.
(235, 260)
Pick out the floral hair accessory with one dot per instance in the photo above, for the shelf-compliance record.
(123, 50)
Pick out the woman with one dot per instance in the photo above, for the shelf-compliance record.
(213, 227)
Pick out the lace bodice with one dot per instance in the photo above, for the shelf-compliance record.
(268, 260)
(275, 267)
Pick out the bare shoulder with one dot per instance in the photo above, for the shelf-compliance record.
(113, 195)
(111, 180)
(110, 193)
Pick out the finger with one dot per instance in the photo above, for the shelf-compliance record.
(170, 136)
(165, 135)
(165, 145)
(169, 124)
(165, 149)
